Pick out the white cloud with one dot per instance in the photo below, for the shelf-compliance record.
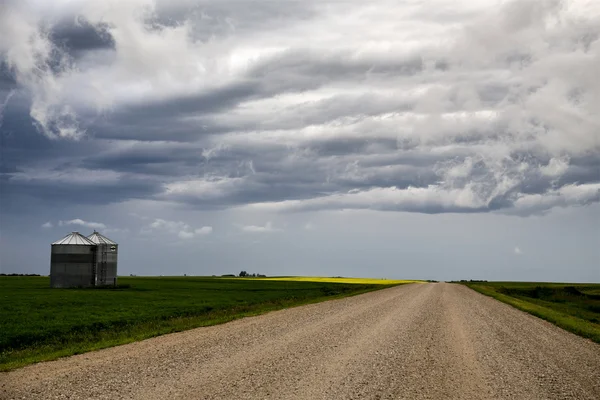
(87, 224)
(185, 234)
(47, 225)
(73, 176)
(267, 228)
(203, 189)
(517, 250)
(570, 195)
(41, 67)
(555, 168)
(438, 198)
(190, 234)
(179, 228)
(171, 226)
(205, 230)
(432, 199)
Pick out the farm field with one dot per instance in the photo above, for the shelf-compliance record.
(39, 323)
(572, 306)
(364, 281)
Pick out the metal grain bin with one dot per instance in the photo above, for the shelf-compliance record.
(106, 259)
(72, 262)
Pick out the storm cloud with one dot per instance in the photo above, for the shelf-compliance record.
(301, 106)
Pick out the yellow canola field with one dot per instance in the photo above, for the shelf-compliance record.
(364, 281)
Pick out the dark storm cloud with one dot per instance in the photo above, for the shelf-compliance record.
(213, 101)
(166, 119)
(7, 77)
(50, 193)
(17, 131)
(76, 35)
(34, 166)
(152, 159)
(167, 128)
(322, 167)
(120, 161)
(266, 174)
(7, 169)
(270, 175)
(586, 170)
(288, 109)
(346, 146)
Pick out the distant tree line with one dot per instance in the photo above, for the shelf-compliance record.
(20, 275)
(244, 274)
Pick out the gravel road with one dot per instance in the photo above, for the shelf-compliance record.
(419, 341)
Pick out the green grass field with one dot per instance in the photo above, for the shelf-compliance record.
(39, 323)
(574, 307)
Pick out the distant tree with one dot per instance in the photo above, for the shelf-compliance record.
(243, 273)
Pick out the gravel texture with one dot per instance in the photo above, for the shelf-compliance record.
(419, 341)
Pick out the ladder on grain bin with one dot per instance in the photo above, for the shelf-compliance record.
(94, 265)
(103, 265)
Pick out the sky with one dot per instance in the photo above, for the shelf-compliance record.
(441, 139)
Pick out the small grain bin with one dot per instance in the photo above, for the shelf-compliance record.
(106, 259)
(72, 262)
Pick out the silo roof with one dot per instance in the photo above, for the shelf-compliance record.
(98, 238)
(75, 238)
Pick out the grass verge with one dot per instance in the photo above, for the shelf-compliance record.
(573, 307)
(40, 324)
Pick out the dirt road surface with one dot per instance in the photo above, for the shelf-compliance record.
(419, 341)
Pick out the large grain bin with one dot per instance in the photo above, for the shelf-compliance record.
(106, 259)
(72, 262)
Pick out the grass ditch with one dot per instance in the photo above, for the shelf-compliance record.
(573, 307)
(40, 324)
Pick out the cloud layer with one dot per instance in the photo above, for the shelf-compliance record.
(181, 229)
(455, 107)
(80, 222)
(267, 228)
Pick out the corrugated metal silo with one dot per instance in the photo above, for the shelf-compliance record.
(106, 259)
(72, 262)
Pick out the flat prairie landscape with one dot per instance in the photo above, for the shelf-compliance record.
(414, 341)
(39, 323)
